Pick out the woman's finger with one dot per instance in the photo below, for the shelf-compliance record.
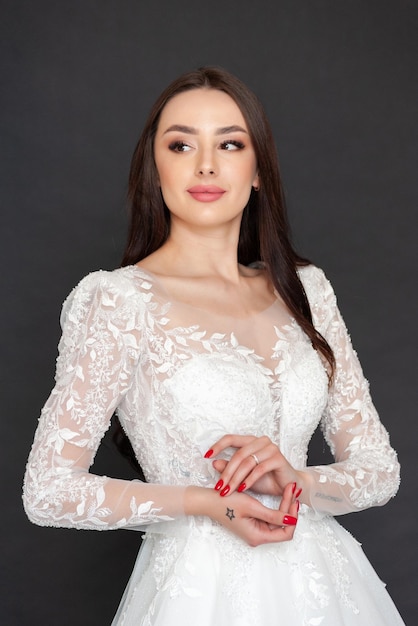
(220, 465)
(278, 525)
(248, 464)
(255, 523)
(229, 441)
(278, 517)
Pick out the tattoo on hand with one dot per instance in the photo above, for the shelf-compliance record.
(230, 513)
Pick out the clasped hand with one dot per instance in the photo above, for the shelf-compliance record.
(257, 464)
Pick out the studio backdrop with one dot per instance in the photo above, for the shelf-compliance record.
(339, 82)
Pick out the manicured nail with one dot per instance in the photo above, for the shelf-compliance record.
(298, 505)
(297, 494)
(208, 454)
(242, 487)
(219, 485)
(294, 488)
(289, 520)
(225, 490)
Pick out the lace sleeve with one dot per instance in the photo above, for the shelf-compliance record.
(366, 471)
(98, 353)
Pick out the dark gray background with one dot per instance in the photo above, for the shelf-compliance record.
(339, 82)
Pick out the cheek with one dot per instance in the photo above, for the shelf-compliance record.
(169, 184)
(247, 173)
(166, 175)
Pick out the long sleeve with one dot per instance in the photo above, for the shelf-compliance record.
(366, 471)
(99, 351)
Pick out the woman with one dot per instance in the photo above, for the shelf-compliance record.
(221, 350)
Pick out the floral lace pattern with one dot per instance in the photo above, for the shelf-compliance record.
(181, 378)
(366, 472)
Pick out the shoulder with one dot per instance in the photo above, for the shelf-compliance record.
(315, 283)
(320, 294)
(104, 290)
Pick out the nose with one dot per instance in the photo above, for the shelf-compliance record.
(206, 165)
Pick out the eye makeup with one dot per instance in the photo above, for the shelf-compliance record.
(178, 146)
(237, 145)
(228, 145)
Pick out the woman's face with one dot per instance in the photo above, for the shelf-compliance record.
(205, 159)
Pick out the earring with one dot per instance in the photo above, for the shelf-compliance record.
(256, 188)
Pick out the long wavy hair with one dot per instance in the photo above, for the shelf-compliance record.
(264, 234)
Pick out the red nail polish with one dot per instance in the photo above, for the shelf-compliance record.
(297, 494)
(298, 505)
(225, 490)
(242, 487)
(294, 488)
(289, 520)
(208, 454)
(219, 485)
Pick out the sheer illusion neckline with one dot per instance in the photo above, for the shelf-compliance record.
(171, 299)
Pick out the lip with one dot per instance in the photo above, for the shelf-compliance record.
(206, 193)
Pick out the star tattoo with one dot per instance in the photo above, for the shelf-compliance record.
(230, 513)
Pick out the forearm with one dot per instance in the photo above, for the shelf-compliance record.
(200, 501)
(86, 501)
(318, 496)
(346, 487)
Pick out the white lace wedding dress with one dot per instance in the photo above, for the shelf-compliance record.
(180, 378)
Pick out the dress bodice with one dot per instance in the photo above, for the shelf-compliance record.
(247, 376)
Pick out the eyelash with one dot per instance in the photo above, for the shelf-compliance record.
(177, 146)
(234, 142)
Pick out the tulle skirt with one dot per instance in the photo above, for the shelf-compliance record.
(194, 572)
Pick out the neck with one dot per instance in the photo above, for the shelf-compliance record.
(200, 253)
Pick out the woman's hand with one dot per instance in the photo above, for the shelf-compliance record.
(245, 516)
(257, 464)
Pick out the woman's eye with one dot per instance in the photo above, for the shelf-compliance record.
(179, 146)
(232, 145)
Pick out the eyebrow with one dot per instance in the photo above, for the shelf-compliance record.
(189, 130)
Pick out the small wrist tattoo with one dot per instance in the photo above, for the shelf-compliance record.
(230, 513)
(326, 497)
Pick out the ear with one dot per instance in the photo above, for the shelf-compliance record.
(256, 182)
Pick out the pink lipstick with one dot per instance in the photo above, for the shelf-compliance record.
(206, 193)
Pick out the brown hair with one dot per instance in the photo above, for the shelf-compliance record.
(264, 234)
